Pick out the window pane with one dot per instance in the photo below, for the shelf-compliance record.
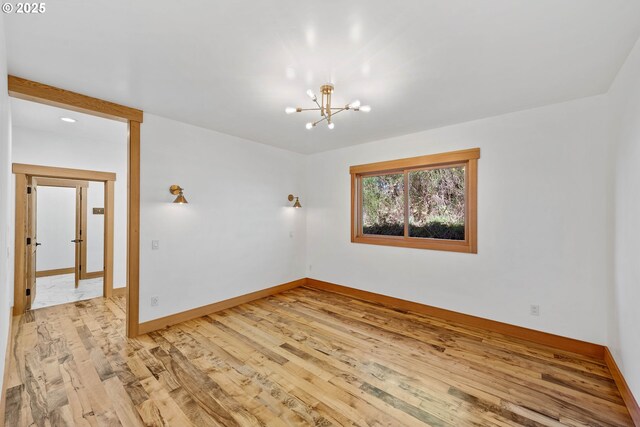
(383, 205)
(436, 203)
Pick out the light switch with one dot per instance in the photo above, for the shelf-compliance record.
(155, 245)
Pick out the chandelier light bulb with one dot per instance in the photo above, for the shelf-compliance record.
(290, 110)
(365, 108)
(331, 125)
(355, 104)
(309, 125)
(311, 95)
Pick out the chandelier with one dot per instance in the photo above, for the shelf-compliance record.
(327, 111)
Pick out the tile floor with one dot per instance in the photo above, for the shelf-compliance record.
(54, 290)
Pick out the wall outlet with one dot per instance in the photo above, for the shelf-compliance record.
(291, 234)
(310, 267)
(155, 245)
(534, 310)
(154, 301)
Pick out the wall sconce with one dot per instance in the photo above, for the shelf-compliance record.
(176, 190)
(297, 203)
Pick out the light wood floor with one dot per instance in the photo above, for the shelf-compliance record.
(304, 357)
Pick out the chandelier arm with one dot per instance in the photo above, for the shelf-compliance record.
(309, 109)
(326, 118)
(339, 110)
(320, 121)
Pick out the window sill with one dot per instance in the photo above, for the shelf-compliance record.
(418, 243)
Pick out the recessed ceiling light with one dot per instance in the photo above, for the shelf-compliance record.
(68, 119)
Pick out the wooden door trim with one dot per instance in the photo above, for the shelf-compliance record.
(55, 182)
(20, 261)
(50, 95)
(133, 231)
(62, 173)
(55, 272)
(109, 191)
(32, 241)
(94, 275)
(82, 207)
(45, 94)
(77, 265)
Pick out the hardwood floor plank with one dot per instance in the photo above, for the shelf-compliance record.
(371, 372)
(490, 339)
(347, 380)
(13, 406)
(161, 409)
(61, 416)
(79, 403)
(564, 398)
(34, 382)
(56, 393)
(360, 411)
(320, 363)
(123, 406)
(288, 404)
(300, 358)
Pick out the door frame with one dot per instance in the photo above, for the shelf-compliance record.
(50, 95)
(80, 214)
(83, 207)
(42, 173)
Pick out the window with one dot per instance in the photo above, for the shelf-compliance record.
(426, 202)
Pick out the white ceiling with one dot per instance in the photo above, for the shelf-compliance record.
(44, 118)
(233, 66)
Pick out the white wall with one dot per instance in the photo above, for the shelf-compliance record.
(56, 210)
(624, 334)
(542, 237)
(95, 229)
(52, 149)
(6, 215)
(238, 233)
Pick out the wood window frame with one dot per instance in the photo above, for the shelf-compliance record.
(467, 158)
(44, 94)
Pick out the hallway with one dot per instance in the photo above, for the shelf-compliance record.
(55, 290)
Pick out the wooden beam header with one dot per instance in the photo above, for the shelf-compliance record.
(49, 95)
(62, 173)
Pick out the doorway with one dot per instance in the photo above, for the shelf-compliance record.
(20, 88)
(28, 179)
(69, 235)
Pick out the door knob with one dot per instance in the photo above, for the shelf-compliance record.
(77, 241)
(38, 244)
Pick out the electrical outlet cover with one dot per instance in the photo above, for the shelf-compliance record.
(535, 310)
